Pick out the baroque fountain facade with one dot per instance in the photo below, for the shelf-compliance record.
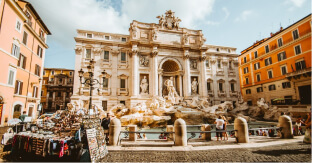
(156, 73)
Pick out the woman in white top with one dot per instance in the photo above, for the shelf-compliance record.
(219, 126)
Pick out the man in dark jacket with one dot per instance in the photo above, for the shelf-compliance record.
(105, 124)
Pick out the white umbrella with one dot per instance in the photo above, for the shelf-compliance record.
(14, 121)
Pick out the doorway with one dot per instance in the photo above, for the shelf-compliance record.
(305, 94)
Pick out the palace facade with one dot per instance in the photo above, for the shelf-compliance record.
(278, 68)
(138, 65)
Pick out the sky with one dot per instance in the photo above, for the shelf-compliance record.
(231, 23)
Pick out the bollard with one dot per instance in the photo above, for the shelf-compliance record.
(285, 123)
(242, 134)
(180, 133)
(114, 131)
(170, 137)
(206, 127)
(132, 136)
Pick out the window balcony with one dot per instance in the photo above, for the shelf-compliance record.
(221, 93)
(210, 93)
(105, 91)
(122, 91)
(233, 93)
(296, 74)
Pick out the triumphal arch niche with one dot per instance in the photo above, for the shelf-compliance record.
(156, 59)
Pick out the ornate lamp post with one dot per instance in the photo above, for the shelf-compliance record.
(90, 81)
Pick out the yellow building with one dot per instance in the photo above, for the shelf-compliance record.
(278, 68)
(57, 88)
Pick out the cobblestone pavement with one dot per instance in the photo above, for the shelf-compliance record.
(292, 152)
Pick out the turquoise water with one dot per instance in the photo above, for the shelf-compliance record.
(197, 128)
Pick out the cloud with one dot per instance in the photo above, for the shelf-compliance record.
(227, 12)
(244, 16)
(296, 3)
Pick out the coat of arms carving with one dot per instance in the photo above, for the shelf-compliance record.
(169, 21)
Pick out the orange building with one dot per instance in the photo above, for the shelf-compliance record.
(278, 68)
(22, 50)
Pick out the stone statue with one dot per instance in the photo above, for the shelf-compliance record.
(154, 35)
(144, 85)
(172, 93)
(185, 39)
(134, 30)
(161, 20)
(193, 64)
(194, 86)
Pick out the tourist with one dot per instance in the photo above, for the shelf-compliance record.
(225, 135)
(139, 136)
(161, 136)
(22, 117)
(299, 123)
(219, 126)
(105, 124)
(144, 136)
(271, 132)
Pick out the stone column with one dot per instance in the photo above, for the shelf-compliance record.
(284, 122)
(154, 73)
(47, 100)
(135, 74)
(180, 133)
(114, 131)
(160, 81)
(242, 134)
(187, 78)
(180, 84)
(202, 81)
(206, 127)
(170, 136)
(53, 101)
(132, 136)
(113, 80)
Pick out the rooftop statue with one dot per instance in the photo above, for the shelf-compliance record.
(169, 21)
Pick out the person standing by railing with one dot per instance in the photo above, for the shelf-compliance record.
(225, 135)
(105, 124)
(219, 126)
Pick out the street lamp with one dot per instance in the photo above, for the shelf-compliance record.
(90, 81)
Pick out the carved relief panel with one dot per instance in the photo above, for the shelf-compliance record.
(144, 61)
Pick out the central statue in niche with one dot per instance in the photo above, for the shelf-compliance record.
(172, 93)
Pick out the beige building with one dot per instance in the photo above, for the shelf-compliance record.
(139, 65)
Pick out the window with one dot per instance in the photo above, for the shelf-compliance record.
(232, 87)
(104, 105)
(246, 70)
(247, 80)
(11, 76)
(105, 83)
(259, 89)
(88, 53)
(35, 91)
(59, 94)
(300, 65)
(281, 56)
(230, 65)
(89, 35)
(106, 37)
(280, 42)
(106, 55)
(248, 91)
(15, 50)
(208, 86)
(258, 77)
(123, 57)
(44, 72)
(245, 59)
(295, 34)
(219, 63)
(286, 85)
(283, 70)
(41, 34)
(123, 102)
(218, 49)
(70, 73)
(25, 36)
(256, 54)
(39, 51)
(18, 25)
(257, 65)
(122, 83)
(18, 87)
(297, 49)
(52, 72)
(207, 63)
(272, 87)
(270, 74)
(220, 86)
(268, 61)
(123, 39)
(37, 70)
(70, 80)
(22, 61)
(267, 49)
